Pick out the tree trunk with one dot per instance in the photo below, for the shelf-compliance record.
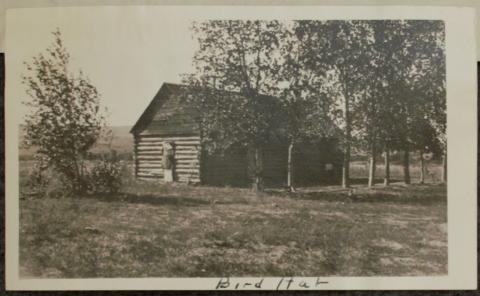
(346, 169)
(290, 168)
(258, 170)
(346, 156)
(422, 168)
(76, 180)
(371, 172)
(386, 179)
(444, 164)
(406, 166)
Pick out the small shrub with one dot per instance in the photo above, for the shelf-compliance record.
(44, 181)
(106, 174)
(37, 175)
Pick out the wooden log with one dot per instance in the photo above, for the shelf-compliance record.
(178, 145)
(141, 149)
(149, 157)
(159, 143)
(149, 153)
(151, 136)
(148, 178)
(148, 170)
(179, 162)
(150, 162)
(189, 171)
(187, 143)
(186, 152)
(188, 176)
(187, 160)
(178, 142)
(161, 139)
(150, 148)
(183, 165)
(185, 156)
(156, 158)
(140, 174)
(147, 175)
(194, 181)
(150, 167)
(187, 147)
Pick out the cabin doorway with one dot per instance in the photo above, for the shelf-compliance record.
(168, 162)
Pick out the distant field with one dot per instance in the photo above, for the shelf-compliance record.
(156, 230)
(121, 141)
(359, 171)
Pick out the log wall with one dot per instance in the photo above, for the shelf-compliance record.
(149, 157)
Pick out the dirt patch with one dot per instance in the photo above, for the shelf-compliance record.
(388, 244)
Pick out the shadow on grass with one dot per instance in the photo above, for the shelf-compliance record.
(364, 181)
(151, 199)
(414, 194)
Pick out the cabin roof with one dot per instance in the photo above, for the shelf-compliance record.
(168, 90)
(165, 91)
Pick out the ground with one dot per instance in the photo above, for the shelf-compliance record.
(155, 230)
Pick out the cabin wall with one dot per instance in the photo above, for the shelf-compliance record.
(149, 157)
(228, 168)
(318, 164)
(275, 165)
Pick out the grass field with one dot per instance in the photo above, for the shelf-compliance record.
(155, 230)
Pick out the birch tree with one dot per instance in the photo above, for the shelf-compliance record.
(424, 102)
(341, 46)
(307, 107)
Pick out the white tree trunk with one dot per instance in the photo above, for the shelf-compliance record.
(422, 168)
(258, 170)
(290, 168)
(372, 168)
(406, 166)
(386, 179)
(444, 163)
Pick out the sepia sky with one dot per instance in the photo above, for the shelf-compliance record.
(127, 55)
(128, 52)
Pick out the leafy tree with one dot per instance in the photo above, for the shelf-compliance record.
(423, 83)
(307, 108)
(65, 119)
(408, 77)
(236, 56)
(342, 47)
(377, 110)
(382, 82)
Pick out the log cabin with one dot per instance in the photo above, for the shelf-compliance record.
(168, 147)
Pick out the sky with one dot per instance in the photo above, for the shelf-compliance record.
(127, 55)
(129, 52)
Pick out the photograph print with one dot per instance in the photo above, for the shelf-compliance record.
(230, 147)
